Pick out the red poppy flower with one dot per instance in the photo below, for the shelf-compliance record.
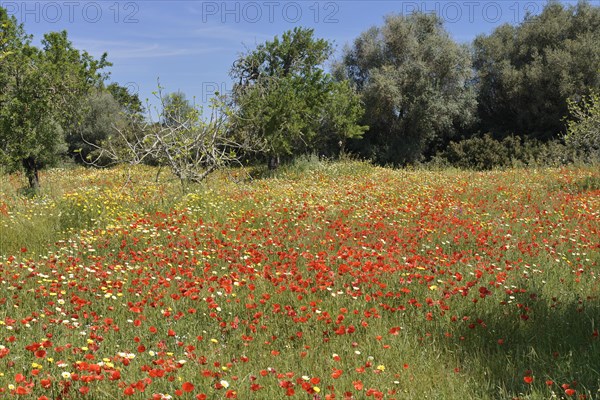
(255, 387)
(21, 390)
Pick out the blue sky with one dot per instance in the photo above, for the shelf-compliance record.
(191, 45)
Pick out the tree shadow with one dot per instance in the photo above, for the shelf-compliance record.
(554, 342)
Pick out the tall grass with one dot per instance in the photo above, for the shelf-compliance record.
(333, 279)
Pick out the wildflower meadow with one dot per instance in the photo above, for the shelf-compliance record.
(335, 281)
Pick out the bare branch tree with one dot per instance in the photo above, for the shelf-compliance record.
(190, 145)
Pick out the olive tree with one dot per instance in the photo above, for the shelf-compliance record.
(415, 83)
(527, 73)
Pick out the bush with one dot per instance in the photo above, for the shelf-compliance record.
(479, 153)
(583, 129)
(485, 153)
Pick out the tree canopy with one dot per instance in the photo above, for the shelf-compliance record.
(414, 82)
(284, 97)
(526, 73)
(41, 89)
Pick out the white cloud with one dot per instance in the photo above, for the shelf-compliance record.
(119, 50)
(224, 32)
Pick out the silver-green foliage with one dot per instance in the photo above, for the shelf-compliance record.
(415, 84)
(527, 72)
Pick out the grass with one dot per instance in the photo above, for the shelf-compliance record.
(320, 280)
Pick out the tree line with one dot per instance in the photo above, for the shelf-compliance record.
(402, 93)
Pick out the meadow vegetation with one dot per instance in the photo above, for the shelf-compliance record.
(320, 280)
(216, 260)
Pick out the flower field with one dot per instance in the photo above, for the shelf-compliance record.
(344, 281)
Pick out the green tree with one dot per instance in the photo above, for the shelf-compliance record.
(41, 91)
(130, 103)
(526, 73)
(104, 111)
(12, 35)
(103, 115)
(177, 109)
(284, 97)
(415, 85)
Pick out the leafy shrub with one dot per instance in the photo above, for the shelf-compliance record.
(485, 153)
(583, 129)
(480, 153)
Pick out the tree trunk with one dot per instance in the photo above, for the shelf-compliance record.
(273, 162)
(31, 171)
